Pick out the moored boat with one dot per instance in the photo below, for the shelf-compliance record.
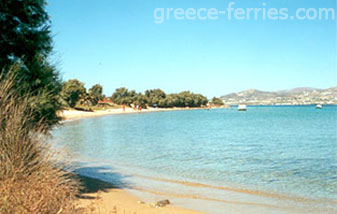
(319, 106)
(242, 108)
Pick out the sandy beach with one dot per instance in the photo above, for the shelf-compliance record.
(99, 197)
(74, 114)
(118, 201)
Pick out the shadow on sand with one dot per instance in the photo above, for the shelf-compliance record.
(95, 179)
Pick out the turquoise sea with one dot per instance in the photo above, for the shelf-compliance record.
(267, 160)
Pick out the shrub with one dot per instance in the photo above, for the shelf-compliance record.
(31, 180)
(217, 101)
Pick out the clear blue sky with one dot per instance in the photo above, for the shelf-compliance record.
(116, 43)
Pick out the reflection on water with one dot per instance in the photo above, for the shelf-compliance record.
(288, 152)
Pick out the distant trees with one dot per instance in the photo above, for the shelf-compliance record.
(188, 99)
(158, 98)
(154, 96)
(217, 101)
(72, 91)
(96, 93)
(183, 99)
(123, 96)
(140, 100)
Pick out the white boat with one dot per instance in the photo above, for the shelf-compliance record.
(319, 106)
(242, 108)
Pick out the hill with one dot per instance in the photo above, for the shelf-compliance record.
(295, 96)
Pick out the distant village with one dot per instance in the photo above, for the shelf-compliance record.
(297, 96)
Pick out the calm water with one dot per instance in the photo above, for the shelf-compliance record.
(278, 156)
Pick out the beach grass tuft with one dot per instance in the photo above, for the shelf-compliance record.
(32, 181)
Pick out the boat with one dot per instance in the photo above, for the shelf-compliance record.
(319, 106)
(242, 108)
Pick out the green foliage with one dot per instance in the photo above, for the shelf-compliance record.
(96, 93)
(123, 96)
(72, 91)
(158, 98)
(25, 32)
(155, 96)
(140, 100)
(25, 44)
(184, 99)
(217, 101)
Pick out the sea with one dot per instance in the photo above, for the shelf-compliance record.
(269, 159)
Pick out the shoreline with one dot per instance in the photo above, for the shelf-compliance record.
(188, 199)
(99, 197)
(70, 115)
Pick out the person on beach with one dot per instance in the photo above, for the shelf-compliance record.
(123, 108)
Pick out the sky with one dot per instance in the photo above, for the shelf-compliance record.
(117, 43)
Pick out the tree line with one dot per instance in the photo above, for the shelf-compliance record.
(73, 92)
(158, 98)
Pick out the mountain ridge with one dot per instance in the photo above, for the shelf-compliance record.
(294, 96)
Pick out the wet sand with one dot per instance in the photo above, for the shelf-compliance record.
(99, 197)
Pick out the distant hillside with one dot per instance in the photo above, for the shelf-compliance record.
(296, 96)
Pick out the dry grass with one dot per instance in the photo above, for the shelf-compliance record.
(31, 182)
